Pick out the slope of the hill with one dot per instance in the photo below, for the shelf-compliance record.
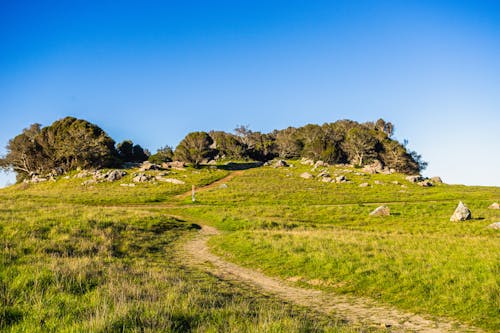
(103, 256)
(320, 235)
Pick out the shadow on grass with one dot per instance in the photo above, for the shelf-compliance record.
(231, 166)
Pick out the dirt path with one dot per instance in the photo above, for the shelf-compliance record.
(357, 310)
(219, 182)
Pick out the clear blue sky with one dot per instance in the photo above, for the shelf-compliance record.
(151, 71)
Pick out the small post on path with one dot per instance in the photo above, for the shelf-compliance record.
(193, 198)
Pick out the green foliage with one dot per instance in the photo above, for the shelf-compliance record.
(128, 152)
(163, 154)
(194, 148)
(67, 144)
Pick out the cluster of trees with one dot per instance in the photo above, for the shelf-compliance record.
(65, 145)
(72, 143)
(344, 141)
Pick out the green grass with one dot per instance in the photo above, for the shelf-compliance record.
(79, 259)
(105, 257)
(321, 234)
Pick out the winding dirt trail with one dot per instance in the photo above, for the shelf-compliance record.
(355, 310)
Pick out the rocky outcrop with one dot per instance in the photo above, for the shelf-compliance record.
(141, 178)
(373, 168)
(381, 211)
(146, 166)
(462, 213)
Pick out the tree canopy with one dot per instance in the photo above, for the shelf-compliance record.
(71, 143)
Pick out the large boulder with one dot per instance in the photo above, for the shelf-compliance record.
(461, 213)
(146, 165)
(494, 205)
(306, 175)
(436, 180)
(414, 178)
(375, 167)
(425, 183)
(381, 211)
(141, 178)
(114, 175)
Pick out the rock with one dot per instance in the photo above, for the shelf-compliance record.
(341, 179)
(461, 213)
(212, 162)
(174, 165)
(280, 164)
(306, 161)
(436, 180)
(320, 164)
(381, 211)
(171, 180)
(425, 183)
(141, 178)
(494, 205)
(114, 175)
(324, 173)
(146, 165)
(223, 186)
(306, 175)
(127, 185)
(495, 225)
(327, 179)
(395, 182)
(268, 163)
(375, 167)
(364, 185)
(414, 178)
(378, 182)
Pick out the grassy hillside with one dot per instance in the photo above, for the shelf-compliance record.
(104, 257)
(320, 235)
(72, 261)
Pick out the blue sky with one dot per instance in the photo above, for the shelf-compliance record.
(152, 71)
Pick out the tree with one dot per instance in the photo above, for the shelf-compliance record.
(163, 154)
(125, 150)
(288, 143)
(194, 148)
(227, 144)
(66, 144)
(360, 145)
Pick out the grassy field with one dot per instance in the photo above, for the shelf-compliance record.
(105, 257)
(320, 235)
(72, 262)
